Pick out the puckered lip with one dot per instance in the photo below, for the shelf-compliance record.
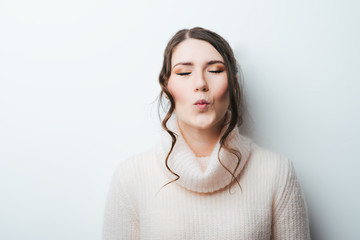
(201, 101)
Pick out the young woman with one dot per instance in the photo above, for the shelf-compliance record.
(204, 180)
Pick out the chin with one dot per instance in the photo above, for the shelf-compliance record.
(204, 122)
(201, 121)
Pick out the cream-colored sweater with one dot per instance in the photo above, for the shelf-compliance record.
(269, 205)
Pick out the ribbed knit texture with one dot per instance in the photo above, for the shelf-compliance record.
(184, 162)
(203, 161)
(269, 206)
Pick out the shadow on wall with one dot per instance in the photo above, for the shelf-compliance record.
(315, 235)
(248, 128)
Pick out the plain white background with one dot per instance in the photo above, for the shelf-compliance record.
(78, 89)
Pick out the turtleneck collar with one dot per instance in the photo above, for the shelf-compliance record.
(183, 161)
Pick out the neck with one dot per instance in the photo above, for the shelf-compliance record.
(201, 141)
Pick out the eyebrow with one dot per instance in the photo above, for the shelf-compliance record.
(191, 64)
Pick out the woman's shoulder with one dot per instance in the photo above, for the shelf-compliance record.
(138, 175)
(269, 162)
(266, 155)
(266, 167)
(136, 163)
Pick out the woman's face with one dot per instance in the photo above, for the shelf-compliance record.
(199, 85)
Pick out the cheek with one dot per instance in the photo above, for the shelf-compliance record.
(222, 92)
(176, 91)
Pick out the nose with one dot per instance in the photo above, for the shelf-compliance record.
(200, 83)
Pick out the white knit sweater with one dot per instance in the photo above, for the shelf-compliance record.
(269, 205)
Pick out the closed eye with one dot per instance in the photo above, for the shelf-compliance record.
(187, 73)
(184, 73)
(218, 71)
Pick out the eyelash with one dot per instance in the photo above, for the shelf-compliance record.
(187, 73)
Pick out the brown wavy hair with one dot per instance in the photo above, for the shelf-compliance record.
(236, 106)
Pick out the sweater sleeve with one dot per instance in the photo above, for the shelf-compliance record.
(290, 215)
(121, 220)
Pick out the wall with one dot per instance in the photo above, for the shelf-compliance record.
(78, 89)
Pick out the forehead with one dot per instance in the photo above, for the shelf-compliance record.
(194, 50)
